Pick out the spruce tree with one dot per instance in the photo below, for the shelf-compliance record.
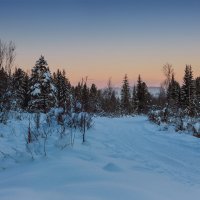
(197, 86)
(134, 100)
(26, 93)
(93, 98)
(3, 87)
(85, 98)
(173, 94)
(108, 101)
(20, 88)
(63, 90)
(42, 88)
(125, 97)
(77, 95)
(143, 96)
(147, 97)
(188, 91)
(197, 99)
(140, 95)
(3, 81)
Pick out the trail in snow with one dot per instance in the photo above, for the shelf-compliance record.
(138, 141)
(124, 158)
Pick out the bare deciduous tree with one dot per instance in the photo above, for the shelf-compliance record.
(2, 53)
(10, 56)
(7, 55)
(168, 71)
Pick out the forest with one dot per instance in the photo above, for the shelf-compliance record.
(41, 91)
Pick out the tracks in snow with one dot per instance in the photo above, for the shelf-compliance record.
(138, 142)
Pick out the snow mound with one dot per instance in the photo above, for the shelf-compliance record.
(111, 167)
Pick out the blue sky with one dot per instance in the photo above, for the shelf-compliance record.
(104, 38)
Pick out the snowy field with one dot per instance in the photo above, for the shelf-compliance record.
(123, 159)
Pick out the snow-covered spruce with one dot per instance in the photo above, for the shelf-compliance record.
(42, 90)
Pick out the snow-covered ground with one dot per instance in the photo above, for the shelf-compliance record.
(124, 158)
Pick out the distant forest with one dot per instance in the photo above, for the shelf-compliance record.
(41, 90)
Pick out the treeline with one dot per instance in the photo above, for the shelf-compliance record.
(185, 97)
(176, 98)
(177, 104)
(40, 91)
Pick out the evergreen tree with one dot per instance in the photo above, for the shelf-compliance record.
(26, 92)
(63, 90)
(143, 96)
(173, 93)
(125, 97)
(197, 99)
(85, 98)
(147, 97)
(134, 100)
(197, 83)
(3, 87)
(109, 102)
(93, 98)
(42, 89)
(77, 96)
(188, 91)
(20, 88)
(3, 81)
(140, 95)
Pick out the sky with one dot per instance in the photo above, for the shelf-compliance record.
(102, 39)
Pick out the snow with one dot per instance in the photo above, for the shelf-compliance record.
(123, 158)
(47, 76)
(36, 91)
(197, 127)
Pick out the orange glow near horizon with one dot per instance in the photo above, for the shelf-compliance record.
(102, 39)
(98, 71)
(113, 58)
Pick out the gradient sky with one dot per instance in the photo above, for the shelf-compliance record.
(105, 38)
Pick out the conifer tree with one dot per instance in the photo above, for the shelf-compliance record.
(197, 83)
(125, 96)
(93, 98)
(42, 89)
(77, 95)
(134, 100)
(63, 90)
(140, 95)
(197, 99)
(3, 81)
(20, 88)
(173, 93)
(26, 92)
(188, 91)
(85, 98)
(143, 96)
(114, 104)
(109, 102)
(3, 87)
